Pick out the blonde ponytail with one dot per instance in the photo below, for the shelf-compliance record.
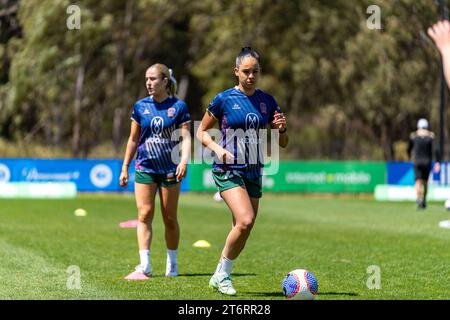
(172, 85)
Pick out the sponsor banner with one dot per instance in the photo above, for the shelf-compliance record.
(5, 171)
(88, 175)
(402, 174)
(200, 178)
(103, 175)
(334, 177)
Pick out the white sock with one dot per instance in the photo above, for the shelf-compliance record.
(218, 266)
(225, 266)
(172, 256)
(145, 258)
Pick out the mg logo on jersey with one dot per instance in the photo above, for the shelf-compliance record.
(157, 125)
(251, 121)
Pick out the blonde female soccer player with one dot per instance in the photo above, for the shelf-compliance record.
(154, 119)
(237, 174)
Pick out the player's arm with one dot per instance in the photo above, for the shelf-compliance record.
(437, 156)
(440, 33)
(207, 123)
(279, 122)
(410, 147)
(130, 151)
(185, 151)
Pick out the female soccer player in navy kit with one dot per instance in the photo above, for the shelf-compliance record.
(247, 108)
(154, 119)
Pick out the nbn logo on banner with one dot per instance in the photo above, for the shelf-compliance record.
(101, 175)
(5, 173)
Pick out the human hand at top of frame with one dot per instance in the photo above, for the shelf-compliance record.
(440, 33)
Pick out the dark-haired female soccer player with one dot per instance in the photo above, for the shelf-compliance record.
(243, 108)
(154, 119)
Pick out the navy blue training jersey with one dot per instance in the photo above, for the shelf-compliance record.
(237, 112)
(157, 122)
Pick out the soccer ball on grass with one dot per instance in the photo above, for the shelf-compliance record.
(300, 284)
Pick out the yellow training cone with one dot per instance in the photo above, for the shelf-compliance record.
(80, 212)
(202, 244)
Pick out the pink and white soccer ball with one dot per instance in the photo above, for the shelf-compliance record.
(300, 284)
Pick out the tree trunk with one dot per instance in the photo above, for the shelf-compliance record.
(119, 114)
(183, 87)
(58, 124)
(76, 135)
(118, 111)
(386, 142)
(120, 77)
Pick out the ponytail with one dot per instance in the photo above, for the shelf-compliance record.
(172, 85)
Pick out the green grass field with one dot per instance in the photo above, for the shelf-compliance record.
(336, 238)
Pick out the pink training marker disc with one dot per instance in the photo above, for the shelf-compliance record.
(137, 275)
(129, 224)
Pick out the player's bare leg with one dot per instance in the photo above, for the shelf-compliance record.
(419, 193)
(244, 210)
(169, 204)
(145, 202)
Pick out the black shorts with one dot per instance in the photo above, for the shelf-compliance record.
(422, 171)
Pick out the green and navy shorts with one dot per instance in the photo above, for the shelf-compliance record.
(164, 180)
(231, 179)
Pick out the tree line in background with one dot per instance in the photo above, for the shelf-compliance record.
(349, 92)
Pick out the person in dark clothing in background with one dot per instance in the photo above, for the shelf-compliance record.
(421, 147)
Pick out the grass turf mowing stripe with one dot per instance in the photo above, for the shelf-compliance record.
(27, 275)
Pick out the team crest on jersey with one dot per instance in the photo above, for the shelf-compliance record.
(157, 125)
(251, 121)
(263, 107)
(171, 112)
